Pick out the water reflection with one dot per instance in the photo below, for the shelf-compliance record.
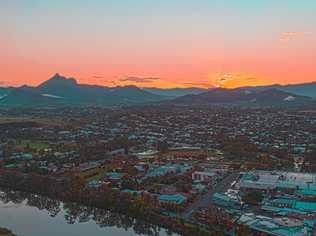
(74, 213)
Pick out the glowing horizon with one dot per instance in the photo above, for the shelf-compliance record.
(158, 43)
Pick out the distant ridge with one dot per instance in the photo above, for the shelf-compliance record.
(304, 89)
(62, 91)
(175, 92)
(244, 96)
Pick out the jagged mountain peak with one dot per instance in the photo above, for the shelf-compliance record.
(58, 81)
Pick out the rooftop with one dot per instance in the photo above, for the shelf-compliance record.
(304, 182)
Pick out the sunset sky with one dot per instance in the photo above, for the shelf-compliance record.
(164, 43)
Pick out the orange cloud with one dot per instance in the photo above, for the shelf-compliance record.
(199, 84)
(160, 83)
(137, 79)
(286, 36)
(236, 79)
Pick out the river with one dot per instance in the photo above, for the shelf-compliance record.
(33, 215)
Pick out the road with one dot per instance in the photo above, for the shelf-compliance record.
(206, 200)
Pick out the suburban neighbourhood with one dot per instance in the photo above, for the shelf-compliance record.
(197, 165)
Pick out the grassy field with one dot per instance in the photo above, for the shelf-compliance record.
(38, 145)
(42, 121)
(94, 174)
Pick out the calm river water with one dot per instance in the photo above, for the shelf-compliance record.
(32, 215)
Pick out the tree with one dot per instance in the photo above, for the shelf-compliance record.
(129, 182)
(162, 146)
(184, 184)
(253, 197)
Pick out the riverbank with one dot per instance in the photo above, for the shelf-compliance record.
(6, 232)
(73, 190)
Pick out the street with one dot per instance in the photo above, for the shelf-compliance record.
(206, 200)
